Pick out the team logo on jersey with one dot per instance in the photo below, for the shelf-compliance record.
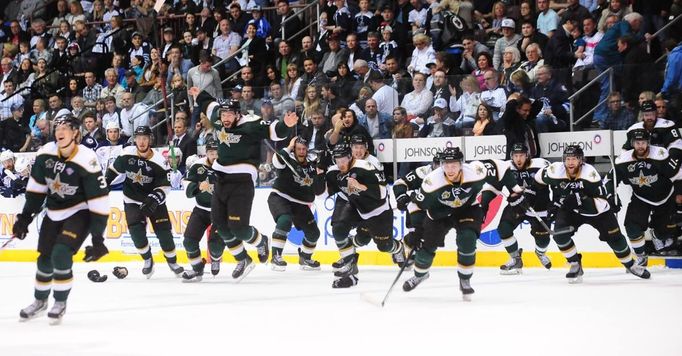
(227, 138)
(304, 181)
(138, 177)
(49, 164)
(62, 189)
(208, 189)
(201, 170)
(643, 180)
(445, 195)
(93, 163)
(131, 161)
(456, 203)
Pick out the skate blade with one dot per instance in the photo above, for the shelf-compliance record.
(576, 280)
(29, 318)
(278, 268)
(371, 299)
(192, 280)
(466, 297)
(248, 270)
(308, 268)
(150, 274)
(511, 272)
(55, 321)
(548, 266)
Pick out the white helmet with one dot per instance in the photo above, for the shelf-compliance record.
(112, 125)
(191, 160)
(6, 156)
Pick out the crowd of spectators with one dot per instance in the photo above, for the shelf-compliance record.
(404, 68)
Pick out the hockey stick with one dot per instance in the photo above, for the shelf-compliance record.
(369, 299)
(7, 243)
(282, 158)
(532, 212)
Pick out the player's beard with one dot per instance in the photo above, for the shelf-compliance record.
(643, 153)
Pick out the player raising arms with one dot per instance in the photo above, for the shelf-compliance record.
(67, 177)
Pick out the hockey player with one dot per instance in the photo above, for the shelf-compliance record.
(145, 189)
(67, 177)
(367, 209)
(12, 183)
(448, 195)
(523, 167)
(359, 148)
(292, 194)
(239, 139)
(662, 132)
(648, 170)
(402, 188)
(201, 177)
(579, 197)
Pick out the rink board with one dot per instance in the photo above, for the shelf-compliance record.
(490, 250)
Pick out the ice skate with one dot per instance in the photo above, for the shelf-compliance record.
(195, 274)
(345, 282)
(465, 288)
(544, 259)
(148, 269)
(350, 268)
(575, 272)
(57, 312)
(244, 267)
(399, 256)
(278, 263)
(263, 249)
(514, 265)
(642, 260)
(177, 269)
(338, 264)
(36, 309)
(413, 282)
(215, 267)
(639, 271)
(307, 264)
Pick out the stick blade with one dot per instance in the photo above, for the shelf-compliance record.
(372, 299)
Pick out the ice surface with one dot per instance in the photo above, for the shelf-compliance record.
(298, 313)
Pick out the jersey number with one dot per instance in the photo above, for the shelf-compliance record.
(102, 182)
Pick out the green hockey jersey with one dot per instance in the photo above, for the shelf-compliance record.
(411, 182)
(200, 172)
(368, 203)
(441, 197)
(524, 177)
(300, 187)
(663, 134)
(142, 176)
(587, 187)
(68, 185)
(650, 177)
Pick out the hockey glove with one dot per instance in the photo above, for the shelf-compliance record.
(120, 272)
(412, 241)
(96, 277)
(151, 202)
(516, 200)
(572, 201)
(552, 210)
(95, 252)
(20, 229)
(402, 202)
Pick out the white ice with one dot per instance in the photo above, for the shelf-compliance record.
(298, 313)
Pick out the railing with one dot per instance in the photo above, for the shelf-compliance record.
(575, 95)
(296, 13)
(648, 47)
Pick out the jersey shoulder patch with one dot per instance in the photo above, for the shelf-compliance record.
(434, 181)
(658, 153)
(362, 164)
(589, 173)
(87, 159)
(625, 157)
(538, 163)
(49, 148)
(473, 172)
(664, 124)
(423, 171)
(556, 170)
(158, 159)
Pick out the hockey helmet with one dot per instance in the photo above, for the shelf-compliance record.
(301, 140)
(639, 135)
(358, 140)
(341, 150)
(437, 158)
(6, 155)
(452, 154)
(112, 125)
(211, 145)
(573, 151)
(519, 147)
(229, 105)
(143, 130)
(67, 119)
(647, 106)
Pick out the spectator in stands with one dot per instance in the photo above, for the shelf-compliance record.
(385, 96)
(314, 133)
(554, 98)
(42, 136)
(132, 86)
(190, 26)
(311, 103)
(179, 92)
(281, 102)
(618, 116)
(533, 62)
(56, 109)
(378, 124)
(548, 20)
(177, 63)
(9, 72)
(205, 78)
(263, 27)
(92, 90)
(112, 113)
(312, 76)
(9, 99)
(238, 18)
(43, 81)
(226, 44)
(493, 95)
(292, 81)
(113, 88)
(422, 55)
(399, 27)
(373, 54)
(591, 37)
(139, 48)
(348, 127)
(672, 85)
(511, 61)
(509, 38)
(330, 99)
(248, 103)
(440, 86)
(662, 108)
(92, 134)
(78, 109)
(484, 62)
(574, 11)
(419, 101)
(638, 69)
(438, 124)
(615, 8)
(334, 56)
(472, 49)
(38, 113)
(518, 124)
(132, 115)
(285, 56)
(344, 82)
(15, 136)
(530, 35)
(248, 77)
(397, 77)
(308, 51)
(202, 42)
(483, 123)
(182, 139)
(362, 72)
(359, 104)
(606, 54)
(466, 104)
(291, 26)
(254, 51)
(203, 130)
(558, 52)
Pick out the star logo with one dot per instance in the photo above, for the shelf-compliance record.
(304, 181)
(227, 138)
(642, 180)
(138, 177)
(62, 189)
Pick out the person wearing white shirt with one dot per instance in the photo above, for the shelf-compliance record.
(385, 96)
(132, 115)
(467, 103)
(422, 55)
(228, 41)
(494, 96)
(419, 101)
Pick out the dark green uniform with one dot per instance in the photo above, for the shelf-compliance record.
(144, 176)
(453, 205)
(415, 216)
(652, 194)
(663, 133)
(76, 197)
(290, 200)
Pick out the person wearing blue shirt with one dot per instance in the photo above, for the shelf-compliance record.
(378, 124)
(673, 73)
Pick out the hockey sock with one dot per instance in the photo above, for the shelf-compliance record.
(311, 235)
(139, 237)
(343, 242)
(278, 242)
(541, 241)
(506, 231)
(466, 252)
(362, 238)
(622, 250)
(566, 246)
(235, 245)
(423, 260)
(638, 244)
(387, 244)
(167, 245)
(43, 277)
(249, 234)
(62, 260)
(193, 251)
(216, 247)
